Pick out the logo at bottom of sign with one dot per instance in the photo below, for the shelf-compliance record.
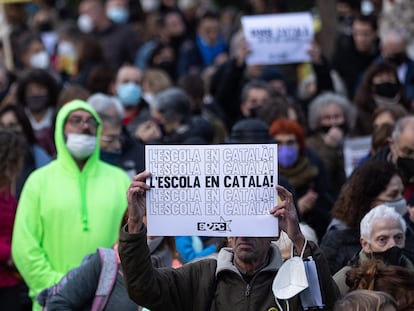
(218, 226)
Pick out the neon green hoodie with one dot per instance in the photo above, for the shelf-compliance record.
(64, 213)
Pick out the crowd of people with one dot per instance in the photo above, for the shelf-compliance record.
(86, 85)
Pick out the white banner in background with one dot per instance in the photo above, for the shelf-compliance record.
(278, 38)
(354, 150)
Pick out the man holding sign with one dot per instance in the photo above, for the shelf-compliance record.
(240, 278)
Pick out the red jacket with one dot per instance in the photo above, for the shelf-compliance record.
(8, 206)
(409, 192)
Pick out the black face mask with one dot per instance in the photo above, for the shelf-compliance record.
(397, 59)
(176, 41)
(325, 128)
(169, 67)
(386, 89)
(110, 157)
(45, 26)
(406, 166)
(37, 103)
(346, 20)
(253, 112)
(392, 256)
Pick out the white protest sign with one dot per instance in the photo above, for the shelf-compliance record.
(278, 38)
(354, 150)
(211, 190)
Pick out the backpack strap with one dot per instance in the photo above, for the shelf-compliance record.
(45, 295)
(107, 278)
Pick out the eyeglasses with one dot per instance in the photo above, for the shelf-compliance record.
(78, 122)
(110, 139)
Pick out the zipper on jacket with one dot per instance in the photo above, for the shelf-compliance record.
(84, 207)
(247, 291)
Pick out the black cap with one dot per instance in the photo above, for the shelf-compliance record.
(249, 131)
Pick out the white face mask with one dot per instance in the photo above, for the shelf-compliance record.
(291, 279)
(150, 5)
(40, 60)
(381, 101)
(85, 23)
(400, 205)
(186, 4)
(149, 98)
(80, 146)
(66, 48)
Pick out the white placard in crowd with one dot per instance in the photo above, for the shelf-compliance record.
(354, 150)
(211, 190)
(278, 38)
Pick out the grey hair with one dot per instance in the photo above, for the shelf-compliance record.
(379, 212)
(394, 33)
(110, 119)
(101, 103)
(399, 127)
(254, 84)
(173, 103)
(325, 99)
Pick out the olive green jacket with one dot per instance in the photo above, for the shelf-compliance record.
(209, 284)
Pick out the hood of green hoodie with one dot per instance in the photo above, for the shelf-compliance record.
(63, 154)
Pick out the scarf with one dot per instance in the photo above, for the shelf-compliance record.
(301, 173)
(210, 52)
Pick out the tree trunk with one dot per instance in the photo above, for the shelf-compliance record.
(327, 13)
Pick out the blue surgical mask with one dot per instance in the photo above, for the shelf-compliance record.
(129, 94)
(287, 155)
(118, 15)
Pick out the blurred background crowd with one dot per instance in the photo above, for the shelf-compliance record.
(175, 72)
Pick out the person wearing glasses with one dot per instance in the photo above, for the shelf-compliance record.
(69, 207)
(118, 147)
(111, 139)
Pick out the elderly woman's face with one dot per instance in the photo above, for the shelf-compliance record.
(386, 233)
(331, 115)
